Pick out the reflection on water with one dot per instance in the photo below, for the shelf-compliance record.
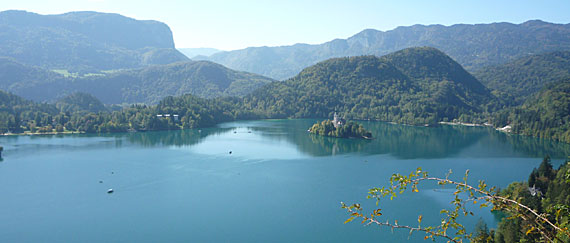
(531, 146)
(400, 141)
(176, 138)
(408, 142)
(186, 186)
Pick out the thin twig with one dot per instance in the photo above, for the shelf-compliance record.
(395, 226)
(488, 194)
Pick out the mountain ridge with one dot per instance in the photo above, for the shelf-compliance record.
(468, 44)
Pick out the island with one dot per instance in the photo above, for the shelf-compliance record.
(339, 128)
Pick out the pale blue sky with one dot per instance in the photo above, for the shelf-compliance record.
(228, 25)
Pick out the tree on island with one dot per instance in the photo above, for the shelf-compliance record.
(525, 221)
(347, 130)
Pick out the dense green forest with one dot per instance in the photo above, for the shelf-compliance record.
(515, 81)
(78, 102)
(545, 114)
(551, 195)
(413, 86)
(76, 113)
(14, 110)
(146, 85)
(348, 130)
(473, 46)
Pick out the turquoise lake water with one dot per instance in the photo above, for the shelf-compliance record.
(279, 184)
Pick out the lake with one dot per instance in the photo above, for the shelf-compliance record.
(278, 184)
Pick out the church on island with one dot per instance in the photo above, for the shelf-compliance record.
(337, 121)
(340, 128)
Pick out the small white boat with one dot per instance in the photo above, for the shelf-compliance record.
(110, 190)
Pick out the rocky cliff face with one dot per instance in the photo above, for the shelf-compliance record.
(85, 41)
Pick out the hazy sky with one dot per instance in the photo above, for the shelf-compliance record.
(229, 25)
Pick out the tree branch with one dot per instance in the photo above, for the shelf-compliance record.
(490, 196)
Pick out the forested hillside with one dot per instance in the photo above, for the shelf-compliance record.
(16, 77)
(80, 102)
(413, 86)
(473, 46)
(146, 85)
(546, 114)
(515, 81)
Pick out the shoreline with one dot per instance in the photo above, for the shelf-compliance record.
(465, 124)
(40, 133)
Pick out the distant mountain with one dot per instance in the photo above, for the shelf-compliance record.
(516, 80)
(78, 102)
(545, 114)
(145, 85)
(26, 80)
(412, 86)
(473, 46)
(193, 52)
(85, 41)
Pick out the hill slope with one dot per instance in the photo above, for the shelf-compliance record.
(146, 85)
(85, 41)
(149, 85)
(413, 86)
(15, 75)
(546, 114)
(516, 80)
(473, 46)
(80, 102)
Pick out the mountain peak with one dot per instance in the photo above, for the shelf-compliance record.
(535, 22)
(370, 87)
(85, 41)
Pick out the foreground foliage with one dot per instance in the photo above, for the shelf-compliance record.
(552, 200)
(526, 221)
